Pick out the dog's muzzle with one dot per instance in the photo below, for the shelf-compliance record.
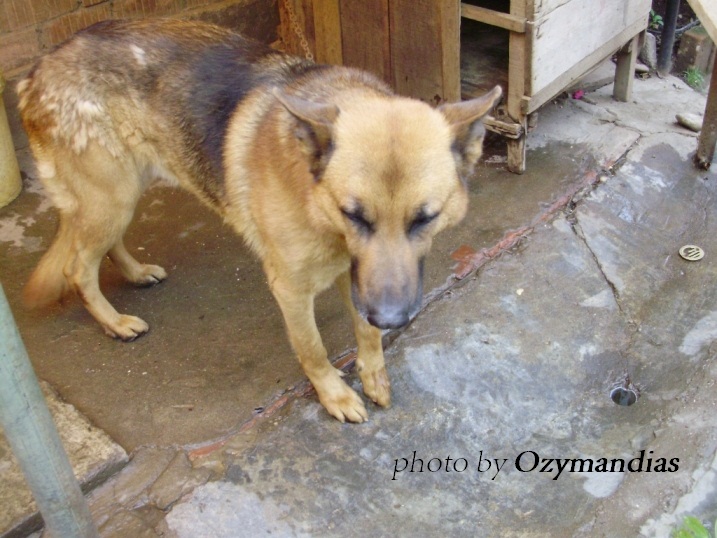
(389, 308)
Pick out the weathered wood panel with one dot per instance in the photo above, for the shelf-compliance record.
(706, 11)
(289, 39)
(328, 31)
(365, 36)
(577, 71)
(540, 8)
(450, 13)
(494, 18)
(573, 31)
(424, 33)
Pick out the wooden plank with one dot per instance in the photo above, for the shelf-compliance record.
(450, 13)
(541, 97)
(327, 25)
(506, 129)
(574, 30)
(417, 48)
(625, 70)
(518, 66)
(708, 135)
(706, 12)
(365, 36)
(518, 71)
(494, 18)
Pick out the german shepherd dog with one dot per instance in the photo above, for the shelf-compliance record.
(327, 175)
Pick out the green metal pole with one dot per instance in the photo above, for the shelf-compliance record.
(34, 440)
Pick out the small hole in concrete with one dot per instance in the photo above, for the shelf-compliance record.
(624, 392)
(623, 396)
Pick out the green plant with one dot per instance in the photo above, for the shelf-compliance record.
(691, 528)
(656, 21)
(694, 78)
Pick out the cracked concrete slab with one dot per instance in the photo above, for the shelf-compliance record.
(485, 373)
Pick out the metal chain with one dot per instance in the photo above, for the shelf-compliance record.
(298, 30)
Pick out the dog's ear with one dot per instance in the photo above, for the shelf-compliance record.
(465, 121)
(314, 128)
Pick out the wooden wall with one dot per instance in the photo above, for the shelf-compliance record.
(565, 32)
(413, 45)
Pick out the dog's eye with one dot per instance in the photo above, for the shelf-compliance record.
(357, 218)
(421, 220)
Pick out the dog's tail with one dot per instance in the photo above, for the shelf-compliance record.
(48, 283)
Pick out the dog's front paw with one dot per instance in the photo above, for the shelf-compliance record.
(376, 385)
(340, 400)
(126, 328)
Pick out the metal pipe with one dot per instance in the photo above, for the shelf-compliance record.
(667, 41)
(34, 440)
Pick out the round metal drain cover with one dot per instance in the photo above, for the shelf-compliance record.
(692, 253)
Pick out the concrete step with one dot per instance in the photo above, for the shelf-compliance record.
(93, 455)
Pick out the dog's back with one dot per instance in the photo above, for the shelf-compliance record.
(125, 83)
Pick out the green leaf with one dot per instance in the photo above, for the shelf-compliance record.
(695, 526)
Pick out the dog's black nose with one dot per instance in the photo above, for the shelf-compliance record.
(393, 318)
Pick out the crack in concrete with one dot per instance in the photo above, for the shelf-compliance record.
(703, 205)
(632, 327)
(578, 231)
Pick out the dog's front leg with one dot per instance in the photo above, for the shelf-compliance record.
(370, 362)
(337, 397)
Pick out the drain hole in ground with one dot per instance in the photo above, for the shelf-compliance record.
(624, 391)
(624, 396)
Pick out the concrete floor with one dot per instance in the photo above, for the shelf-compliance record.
(572, 281)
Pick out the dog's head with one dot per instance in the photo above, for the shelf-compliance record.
(390, 173)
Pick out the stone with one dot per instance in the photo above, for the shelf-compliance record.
(178, 479)
(696, 51)
(648, 53)
(692, 121)
(129, 488)
(126, 523)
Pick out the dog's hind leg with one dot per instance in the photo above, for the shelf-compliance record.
(82, 272)
(297, 305)
(96, 193)
(138, 273)
(370, 363)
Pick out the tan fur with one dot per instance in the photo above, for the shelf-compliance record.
(328, 176)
